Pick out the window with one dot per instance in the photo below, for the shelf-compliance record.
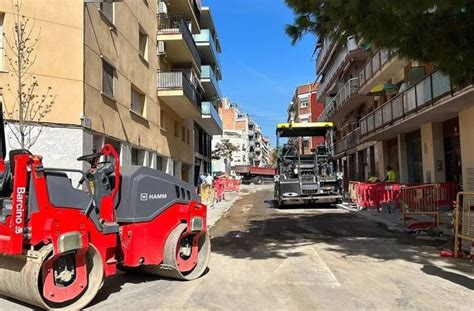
(107, 9)
(137, 102)
(176, 128)
(304, 102)
(162, 119)
(138, 156)
(142, 43)
(159, 163)
(108, 73)
(135, 156)
(183, 133)
(2, 49)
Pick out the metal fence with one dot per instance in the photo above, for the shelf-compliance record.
(408, 102)
(464, 223)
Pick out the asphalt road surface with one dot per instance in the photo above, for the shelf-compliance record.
(301, 259)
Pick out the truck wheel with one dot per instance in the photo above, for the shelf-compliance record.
(259, 180)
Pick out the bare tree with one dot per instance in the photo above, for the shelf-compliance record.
(224, 150)
(31, 103)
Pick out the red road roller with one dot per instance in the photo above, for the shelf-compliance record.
(58, 242)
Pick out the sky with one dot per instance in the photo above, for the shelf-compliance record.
(260, 66)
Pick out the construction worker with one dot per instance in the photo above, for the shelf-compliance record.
(391, 175)
(373, 178)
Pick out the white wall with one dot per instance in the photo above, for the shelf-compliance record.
(59, 146)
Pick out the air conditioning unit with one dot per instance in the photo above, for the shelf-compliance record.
(162, 8)
(161, 49)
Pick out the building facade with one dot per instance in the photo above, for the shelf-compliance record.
(125, 73)
(303, 108)
(395, 112)
(253, 148)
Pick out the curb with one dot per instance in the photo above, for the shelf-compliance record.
(226, 209)
(390, 225)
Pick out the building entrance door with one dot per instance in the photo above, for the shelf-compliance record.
(414, 157)
(452, 151)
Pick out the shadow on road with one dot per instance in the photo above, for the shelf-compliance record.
(459, 279)
(355, 238)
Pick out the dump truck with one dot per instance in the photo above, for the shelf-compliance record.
(58, 241)
(306, 178)
(254, 174)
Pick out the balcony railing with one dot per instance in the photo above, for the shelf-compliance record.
(335, 65)
(349, 141)
(178, 80)
(209, 109)
(373, 65)
(328, 44)
(175, 24)
(208, 73)
(206, 37)
(196, 5)
(340, 99)
(409, 102)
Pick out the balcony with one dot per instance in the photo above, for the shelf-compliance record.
(348, 142)
(324, 54)
(210, 120)
(433, 99)
(382, 66)
(210, 83)
(177, 91)
(341, 100)
(209, 49)
(191, 9)
(349, 52)
(176, 41)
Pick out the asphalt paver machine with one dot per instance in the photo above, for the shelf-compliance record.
(58, 241)
(306, 178)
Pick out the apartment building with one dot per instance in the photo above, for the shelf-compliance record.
(209, 48)
(303, 108)
(244, 133)
(127, 73)
(397, 112)
(262, 149)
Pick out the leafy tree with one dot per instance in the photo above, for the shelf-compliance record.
(274, 156)
(223, 150)
(31, 104)
(431, 31)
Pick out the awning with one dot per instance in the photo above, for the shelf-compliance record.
(384, 88)
(303, 129)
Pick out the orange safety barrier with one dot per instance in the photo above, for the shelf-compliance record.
(373, 195)
(219, 189)
(231, 184)
(353, 190)
(420, 200)
(447, 194)
(464, 224)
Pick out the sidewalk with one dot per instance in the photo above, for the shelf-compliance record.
(216, 211)
(394, 219)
